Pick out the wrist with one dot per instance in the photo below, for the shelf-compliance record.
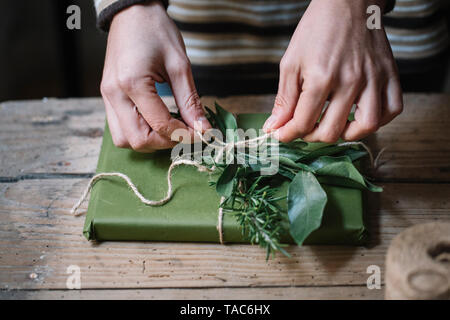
(107, 10)
(360, 5)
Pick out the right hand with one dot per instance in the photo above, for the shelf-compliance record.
(144, 47)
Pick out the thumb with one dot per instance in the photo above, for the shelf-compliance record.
(187, 98)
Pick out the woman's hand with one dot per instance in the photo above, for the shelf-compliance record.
(144, 47)
(334, 56)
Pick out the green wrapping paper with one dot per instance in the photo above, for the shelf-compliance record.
(115, 213)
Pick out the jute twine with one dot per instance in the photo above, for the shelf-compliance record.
(221, 148)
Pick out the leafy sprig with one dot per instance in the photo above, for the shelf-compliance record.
(252, 198)
(256, 208)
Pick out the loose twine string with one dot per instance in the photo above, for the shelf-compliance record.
(223, 147)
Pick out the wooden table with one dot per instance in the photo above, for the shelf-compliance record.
(49, 150)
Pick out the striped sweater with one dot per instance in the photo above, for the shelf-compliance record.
(235, 45)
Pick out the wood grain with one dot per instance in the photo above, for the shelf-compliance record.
(39, 236)
(56, 136)
(275, 293)
(64, 136)
(49, 148)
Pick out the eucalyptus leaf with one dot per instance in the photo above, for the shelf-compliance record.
(324, 151)
(228, 117)
(306, 202)
(218, 121)
(327, 160)
(288, 162)
(225, 183)
(296, 144)
(372, 187)
(229, 122)
(346, 171)
(286, 151)
(286, 173)
(353, 153)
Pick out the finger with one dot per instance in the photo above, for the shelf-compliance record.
(118, 137)
(143, 94)
(186, 96)
(286, 99)
(139, 134)
(307, 111)
(367, 114)
(334, 120)
(392, 101)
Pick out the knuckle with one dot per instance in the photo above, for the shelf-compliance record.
(107, 88)
(285, 65)
(285, 139)
(376, 70)
(396, 105)
(161, 127)
(294, 133)
(280, 102)
(120, 142)
(319, 78)
(193, 102)
(370, 125)
(330, 134)
(329, 137)
(127, 82)
(132, 82)
(139, 143)
(351, 78)
(397, 109)
(301, 131)
(179, 66)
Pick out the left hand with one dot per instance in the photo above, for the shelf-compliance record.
(334, 56)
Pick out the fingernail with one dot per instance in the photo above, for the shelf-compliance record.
(269, 123)
(201, 124)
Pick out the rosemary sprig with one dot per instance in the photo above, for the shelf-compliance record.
(258, 213)
(252, 199)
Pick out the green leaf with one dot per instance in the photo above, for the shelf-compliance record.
(229, 122)
(286, 173)
(345, 175)
(354, 154)
(218, 121)
(291, 151)
(288, 162)
(351, 116)
(324, 151)
(225, 183)
(296, 144)
(372, 187)
(306, 202)
(323, 161)
(227, 117)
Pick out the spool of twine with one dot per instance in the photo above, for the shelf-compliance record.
(418, 263)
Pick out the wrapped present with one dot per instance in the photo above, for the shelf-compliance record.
(115, 213)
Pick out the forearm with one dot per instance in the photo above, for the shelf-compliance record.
(106, 9)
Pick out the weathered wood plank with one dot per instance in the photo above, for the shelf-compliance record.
(54, 136)
(275, 293)
(39, 240)
(64, 136)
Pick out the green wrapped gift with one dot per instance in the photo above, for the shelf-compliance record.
(115, 213)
